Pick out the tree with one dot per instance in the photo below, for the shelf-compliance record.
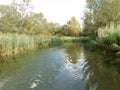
(24, 7)
(9, 19)
(72, 28)
(101, 13)
(37, 24)
(13, 21)
(53, 28)
(89, 28)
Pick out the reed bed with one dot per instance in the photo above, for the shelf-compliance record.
(11, 44)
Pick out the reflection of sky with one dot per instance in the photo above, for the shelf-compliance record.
(50, 69)
(72, 75)
(76, 70)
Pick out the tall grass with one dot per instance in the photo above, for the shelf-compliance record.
(10, 44)
(110, 37)
(15, 43)
(56, 41)
(76, 39)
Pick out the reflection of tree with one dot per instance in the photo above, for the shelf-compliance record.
(101, 76)
(73, 52)
(12, 63)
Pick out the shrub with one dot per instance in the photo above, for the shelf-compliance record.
(56, 41)
(109, 37)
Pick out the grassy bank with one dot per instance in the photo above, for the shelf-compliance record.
(11, 44)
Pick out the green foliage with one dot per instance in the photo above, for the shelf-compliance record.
(85, 39)
(36, 24)
(18, 18)
(22, 30)
(53, 28)
(110, 37)
(9, 20)
(100, 13)
(56, 41)
(89, 28)
(72, 28)
(11, 44)
(15, 43)
(13, 20)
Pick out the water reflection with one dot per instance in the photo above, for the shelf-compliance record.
(101, 77)
(73, 53)
(70, 67)
(101, 72)
(9, 64)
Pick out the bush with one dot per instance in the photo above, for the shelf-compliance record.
(56, 41)
(110, 37)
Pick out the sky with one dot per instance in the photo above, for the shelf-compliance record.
(59, 11)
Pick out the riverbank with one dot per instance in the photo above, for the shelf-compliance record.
(11, 44)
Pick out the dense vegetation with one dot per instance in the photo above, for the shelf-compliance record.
(19, 18)
(102, 22)
(21, 29)
(72, 28)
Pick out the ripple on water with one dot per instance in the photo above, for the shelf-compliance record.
(33, 85)
(2, 83)
(35, 82)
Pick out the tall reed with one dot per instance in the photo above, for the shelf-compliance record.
(15, 43)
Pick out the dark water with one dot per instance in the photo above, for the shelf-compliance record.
(68, 67)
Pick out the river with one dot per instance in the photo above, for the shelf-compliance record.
(67, 67)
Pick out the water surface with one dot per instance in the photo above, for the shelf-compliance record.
(68, 67)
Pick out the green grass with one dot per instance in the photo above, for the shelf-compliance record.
(11, 44)
(76, 39)
(15, 43)
(56, 41)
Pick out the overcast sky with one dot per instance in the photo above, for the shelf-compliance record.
(58, 11)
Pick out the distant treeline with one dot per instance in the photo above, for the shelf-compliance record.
(21, 29)
(19, 18)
